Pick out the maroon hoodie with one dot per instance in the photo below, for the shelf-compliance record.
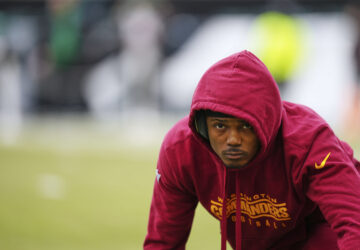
(301, 191)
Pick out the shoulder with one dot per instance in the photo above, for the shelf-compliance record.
(179, 135)
(308, 139)
(177, 157)
(301, 125)
(301, 113)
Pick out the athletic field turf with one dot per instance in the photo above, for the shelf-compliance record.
(73, 184)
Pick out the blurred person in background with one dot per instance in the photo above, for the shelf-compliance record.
(278, 41)
(272, 172)
(65, 33)
(128, 81)
(70, 36)
(18, 36)
(10, 89)
(58, 52)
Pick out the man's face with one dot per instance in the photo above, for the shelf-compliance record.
(233, 140)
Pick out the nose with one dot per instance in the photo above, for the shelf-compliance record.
(234, 138)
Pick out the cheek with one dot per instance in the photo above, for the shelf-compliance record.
(215, 144)
(252, 142)
(255, 145)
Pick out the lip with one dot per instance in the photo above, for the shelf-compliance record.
(234, 156)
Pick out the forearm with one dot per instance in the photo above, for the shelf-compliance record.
(170, 219)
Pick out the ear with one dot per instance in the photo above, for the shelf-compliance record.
(200, 124)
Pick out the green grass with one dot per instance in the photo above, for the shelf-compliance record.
(72, 184)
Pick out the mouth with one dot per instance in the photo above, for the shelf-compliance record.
(234, 154)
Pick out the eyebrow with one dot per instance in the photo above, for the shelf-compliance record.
(213, 119)
(224, 120)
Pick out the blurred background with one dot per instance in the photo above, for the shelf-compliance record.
(88, 89)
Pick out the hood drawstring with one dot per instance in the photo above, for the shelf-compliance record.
(238, 214)
(223, 216)
(224, 213)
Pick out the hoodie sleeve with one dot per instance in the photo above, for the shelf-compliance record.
(172, 208)
(330, 176)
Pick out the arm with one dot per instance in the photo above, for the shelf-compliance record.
(172, 209)
(332, 181)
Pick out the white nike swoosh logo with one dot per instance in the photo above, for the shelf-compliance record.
(157, 175)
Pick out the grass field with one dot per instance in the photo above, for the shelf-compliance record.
(76, 184)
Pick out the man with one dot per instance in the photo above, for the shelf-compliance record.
(272, 172)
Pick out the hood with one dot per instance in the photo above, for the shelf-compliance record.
(240, 85)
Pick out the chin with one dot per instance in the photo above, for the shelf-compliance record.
(235, 166)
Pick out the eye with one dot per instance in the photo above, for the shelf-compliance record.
(246, 125)
(219, 125)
